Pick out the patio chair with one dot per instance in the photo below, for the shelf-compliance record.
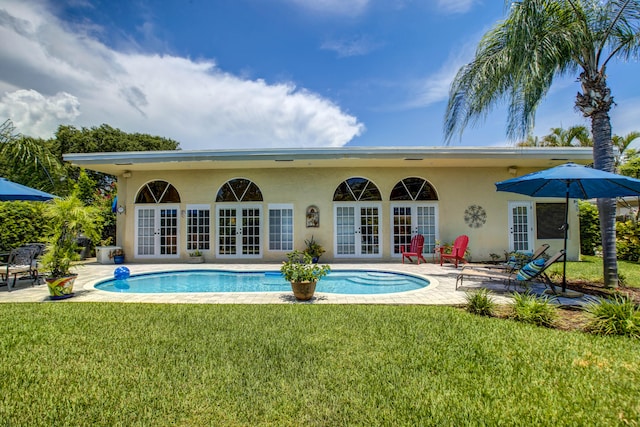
(457, 251)
(21, 260)
(415, 250)
(533, 271)
(513, 263)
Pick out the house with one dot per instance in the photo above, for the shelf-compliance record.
(360, 203)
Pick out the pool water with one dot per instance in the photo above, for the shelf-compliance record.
(337, 282)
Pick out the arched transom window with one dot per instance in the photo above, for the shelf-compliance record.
(239, 190)
(158, 192)
(413, 189)
(356, 190)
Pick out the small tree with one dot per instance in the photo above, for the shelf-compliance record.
(589, 228)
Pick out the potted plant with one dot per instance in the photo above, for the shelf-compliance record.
(67, 218)
(314, 249)
(303, 274)
(196, 257)
(117, 255)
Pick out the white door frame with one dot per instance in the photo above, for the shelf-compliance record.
(429, 231)
(153, 236)
(353, 230)
(521, 226)
(240, 232)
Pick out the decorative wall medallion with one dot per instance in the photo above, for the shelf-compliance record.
(475, 216)
(313, 217)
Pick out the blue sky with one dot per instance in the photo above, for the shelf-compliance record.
(262, 73)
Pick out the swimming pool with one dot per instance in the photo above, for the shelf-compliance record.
(337, 281)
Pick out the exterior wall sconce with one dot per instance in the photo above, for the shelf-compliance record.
(513, 170)
(121, 209)
(126, 174)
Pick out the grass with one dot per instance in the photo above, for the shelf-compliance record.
(590, 269)
(252, 365)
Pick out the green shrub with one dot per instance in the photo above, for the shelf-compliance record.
(628, 240)
(617, 316)
(590, 238)
(480, 302)
(529, 308)
(20, 223)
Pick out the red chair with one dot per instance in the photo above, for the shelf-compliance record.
(417, 243)
(457, 251)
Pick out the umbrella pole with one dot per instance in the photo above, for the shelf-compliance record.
(566, 230)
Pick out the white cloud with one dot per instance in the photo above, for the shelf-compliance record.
(456, 6)
(56, 73)
(29, 109)
(356, 46)
(333, 7)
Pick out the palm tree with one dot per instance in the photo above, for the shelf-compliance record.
(518, 59)
(27, 160)
(622, 143)
(560, 137)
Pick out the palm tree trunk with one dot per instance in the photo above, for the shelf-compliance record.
(604, 160)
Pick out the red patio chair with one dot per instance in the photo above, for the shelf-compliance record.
(417, 243)
(457, 251)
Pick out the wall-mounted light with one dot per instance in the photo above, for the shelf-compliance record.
(121, 209)
(126, 174)
(512, 170)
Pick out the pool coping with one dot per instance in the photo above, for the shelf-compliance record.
(441, 291)
(433, 283)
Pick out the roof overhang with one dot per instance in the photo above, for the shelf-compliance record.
(427, 157)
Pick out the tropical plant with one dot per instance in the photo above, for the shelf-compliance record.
(28, 161)
(560, 137)
(480, 302)
(313, 248)
(68, 218)
(617, 316)
(529, 308)
(590, 239)
(195, 253)
(299, 268)
(518, 59)
(622, 143)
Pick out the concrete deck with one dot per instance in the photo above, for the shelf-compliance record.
(441, 291)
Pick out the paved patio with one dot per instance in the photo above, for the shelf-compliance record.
(441, 290)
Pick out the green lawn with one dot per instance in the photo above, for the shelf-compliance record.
(590, 269)
(319, 365)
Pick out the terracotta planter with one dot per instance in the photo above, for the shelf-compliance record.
(61, 287)
(303, 291)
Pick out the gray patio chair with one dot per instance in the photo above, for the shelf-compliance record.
(21, 260)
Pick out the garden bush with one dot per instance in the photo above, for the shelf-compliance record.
(628, 240)
(20, 223)
(617, 316)
(529, 308)
(590, 238)
(480, 302)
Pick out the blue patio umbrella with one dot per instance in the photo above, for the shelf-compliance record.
(571, 181)
(10, 190)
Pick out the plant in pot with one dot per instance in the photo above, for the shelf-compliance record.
(117, 255)
(303, 274)
(314, 249)
(196, 257)
(66, 218)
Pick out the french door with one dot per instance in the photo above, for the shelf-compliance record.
(520, 226)
(156, 232)
(358, 231)
(239, 231)
(411, 219)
